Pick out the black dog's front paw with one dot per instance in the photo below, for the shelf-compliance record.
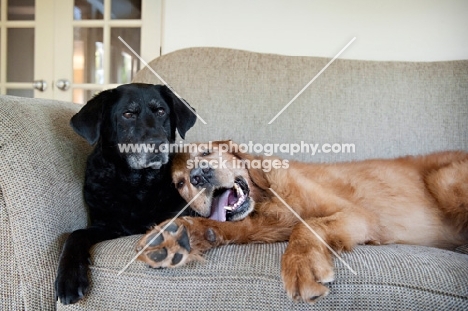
(72, 281)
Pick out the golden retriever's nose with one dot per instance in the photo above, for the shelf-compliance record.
(200, 176)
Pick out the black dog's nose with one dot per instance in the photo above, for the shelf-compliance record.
(200, 176)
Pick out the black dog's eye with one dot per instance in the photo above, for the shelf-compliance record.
(128, 115)
(160, 112)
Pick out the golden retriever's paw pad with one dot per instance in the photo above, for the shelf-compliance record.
(165, 249)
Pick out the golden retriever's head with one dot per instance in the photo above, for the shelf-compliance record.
(231, 187)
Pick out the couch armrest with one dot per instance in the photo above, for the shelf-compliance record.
(42, 164)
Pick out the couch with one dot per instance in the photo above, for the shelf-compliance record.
(385, 109)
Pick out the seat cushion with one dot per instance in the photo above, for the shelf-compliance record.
(247, 277)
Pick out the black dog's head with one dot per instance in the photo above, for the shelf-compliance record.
(132, 121)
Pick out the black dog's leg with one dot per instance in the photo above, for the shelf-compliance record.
(72, 282)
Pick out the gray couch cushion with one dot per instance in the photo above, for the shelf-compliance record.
(41, 176)
(386, 109)
(247, 277)
(10, 286)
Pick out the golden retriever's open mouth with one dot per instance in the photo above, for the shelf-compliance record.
(230, 204)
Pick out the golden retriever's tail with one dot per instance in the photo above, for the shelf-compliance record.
(446, 178)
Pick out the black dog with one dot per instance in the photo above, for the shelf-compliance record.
(126, 192)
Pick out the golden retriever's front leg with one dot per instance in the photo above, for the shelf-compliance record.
(170, 245)
(187, 238)
(307, 262)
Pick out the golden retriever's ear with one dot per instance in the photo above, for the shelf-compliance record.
(257, 175)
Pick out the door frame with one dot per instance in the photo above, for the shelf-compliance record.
(4, 25)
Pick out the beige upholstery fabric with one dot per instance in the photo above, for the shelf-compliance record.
(386, 109)
(41, 176)
(246, 277)
(462, 249)
(10, 289)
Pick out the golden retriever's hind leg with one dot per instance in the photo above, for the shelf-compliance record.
(449, 187)
(307, 263)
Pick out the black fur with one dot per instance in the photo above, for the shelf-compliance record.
(126, 193)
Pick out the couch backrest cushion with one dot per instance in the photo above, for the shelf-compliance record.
(385, 109)
(42, 165)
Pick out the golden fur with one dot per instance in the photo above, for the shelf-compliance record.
(419, 200)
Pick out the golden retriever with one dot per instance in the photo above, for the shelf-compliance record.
(419, 200)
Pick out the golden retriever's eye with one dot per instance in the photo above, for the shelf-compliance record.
(160, 112)
(180, 184)
(206, 153)
(128, 115)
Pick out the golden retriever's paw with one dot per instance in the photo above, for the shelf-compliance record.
(168, 248)
(304, 274)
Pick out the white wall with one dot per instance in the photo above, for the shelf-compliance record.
(406, 30)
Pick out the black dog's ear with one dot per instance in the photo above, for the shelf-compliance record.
(184, 114)
(87, 122)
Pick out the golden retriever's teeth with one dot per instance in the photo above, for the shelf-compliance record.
(240, 201)
(239, 191)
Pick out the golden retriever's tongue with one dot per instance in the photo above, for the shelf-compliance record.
(217, 206)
